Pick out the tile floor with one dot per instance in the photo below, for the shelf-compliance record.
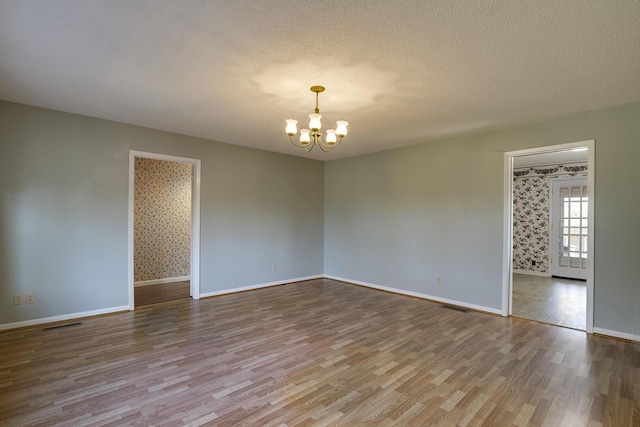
(551, 300)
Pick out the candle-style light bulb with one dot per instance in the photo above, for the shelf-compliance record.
(304, 136)
(341, 129)
(331, 136)
(291, 128)
(314, 121)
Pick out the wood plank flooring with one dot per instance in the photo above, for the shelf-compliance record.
(155, 294)
(316, 353)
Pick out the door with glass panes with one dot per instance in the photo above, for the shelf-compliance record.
(569, 226)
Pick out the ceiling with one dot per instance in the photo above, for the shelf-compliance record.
(401, 72)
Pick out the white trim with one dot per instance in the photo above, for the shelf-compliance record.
(70, 316)
(417, 295)
(615, 334)
(195, 230)
(259, 286)
(161, 281)
(130, 217)
(508, 221)
(544, 165)
(195, 219)
(507, 237)
(591, 183)
(531, 273)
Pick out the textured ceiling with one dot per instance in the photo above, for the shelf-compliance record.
(401, 72)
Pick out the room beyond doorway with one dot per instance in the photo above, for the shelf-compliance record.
(194, 257)
(162, 227)
(530, 291)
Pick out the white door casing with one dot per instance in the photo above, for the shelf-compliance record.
(195, 219)
(508, 222)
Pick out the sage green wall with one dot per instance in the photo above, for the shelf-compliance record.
(402, 218)
(399, 218)
(63, 217)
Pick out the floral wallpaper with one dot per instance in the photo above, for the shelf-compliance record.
(162, 219)
(531, 214)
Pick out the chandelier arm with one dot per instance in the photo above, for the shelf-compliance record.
(337, 142)
(300, 145)
(318, 140)
(330, 147)
(311, 143)
(324, 148)
(322, 144)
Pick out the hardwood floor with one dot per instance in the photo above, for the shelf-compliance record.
(315, 353)
(551, 299)
(155, 294)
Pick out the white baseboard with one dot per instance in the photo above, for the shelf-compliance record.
(75, 316)
(261, 285)
(601, 331)
(161, 281)
(70, 316)
(532, 273)
(419, 295)
(615, 334)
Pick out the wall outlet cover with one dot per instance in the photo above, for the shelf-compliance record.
(17, 299)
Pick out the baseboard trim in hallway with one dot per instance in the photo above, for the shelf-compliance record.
(160, 281)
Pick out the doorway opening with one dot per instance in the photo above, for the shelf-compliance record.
(548, 257)
(164, 228)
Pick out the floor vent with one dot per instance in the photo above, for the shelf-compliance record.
(66, 325)
(456, 308)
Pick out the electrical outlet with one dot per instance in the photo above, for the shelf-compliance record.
(439, 281)
(274, 268)
(17, 299)
(31, 298)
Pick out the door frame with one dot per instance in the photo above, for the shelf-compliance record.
(195, 219)
(507, 263)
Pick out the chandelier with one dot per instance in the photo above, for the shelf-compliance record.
(312, 136)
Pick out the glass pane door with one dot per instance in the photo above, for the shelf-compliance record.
(570, 222)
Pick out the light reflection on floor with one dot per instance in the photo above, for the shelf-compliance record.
(550, 299)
